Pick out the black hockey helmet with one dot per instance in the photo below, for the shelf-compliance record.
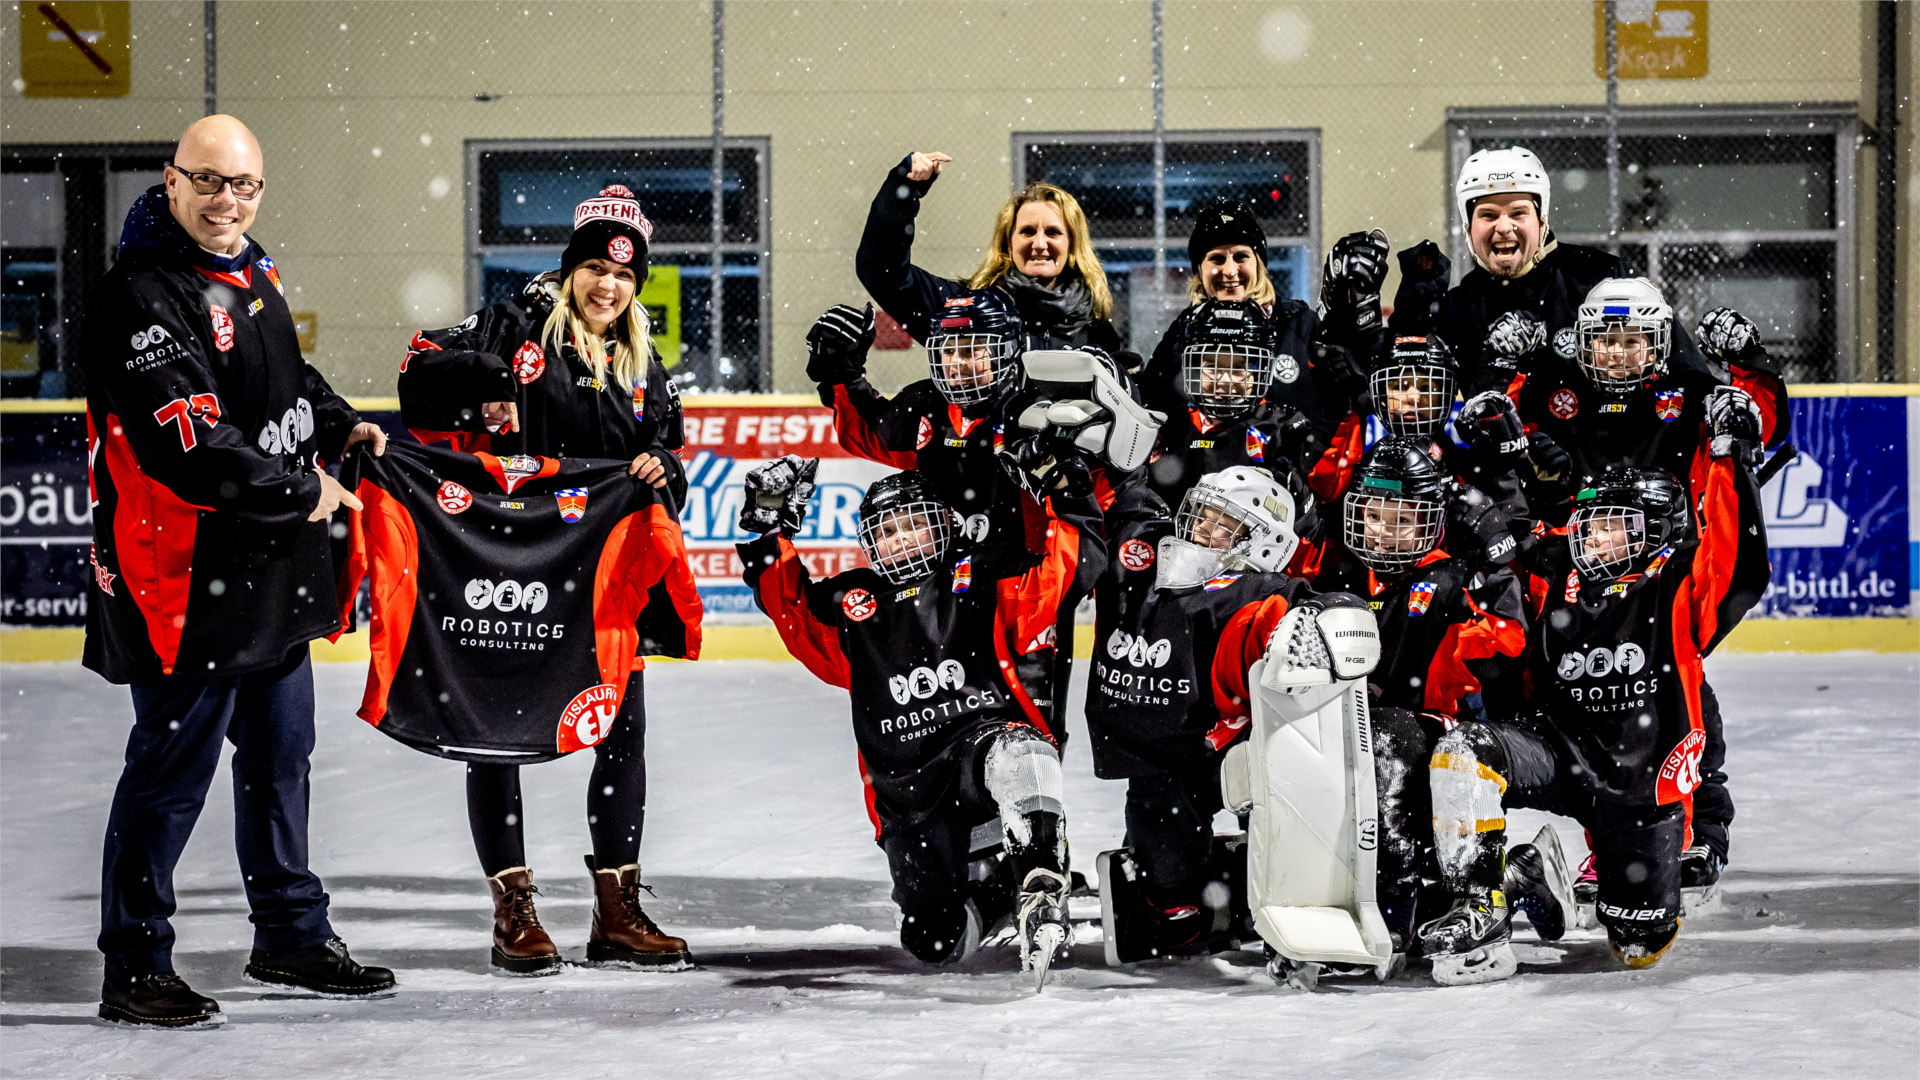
(1395, 509)
(1226, 356)
(1412, 386)
(905, 527)
(973, 346)
(1624, 518)
(1222, 223)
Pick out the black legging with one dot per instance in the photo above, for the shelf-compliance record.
(616, 797)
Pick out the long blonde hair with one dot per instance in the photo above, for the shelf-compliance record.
(1080, 256)
(632, 340)
(1262, 292)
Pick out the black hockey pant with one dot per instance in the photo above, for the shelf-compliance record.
(1170, 831)
(1712, 803)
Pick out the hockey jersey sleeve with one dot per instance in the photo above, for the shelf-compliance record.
(1242, 642)
(1730, 569)
(1072, 560)
(860, 415)
(884, 260)
(784, 591)
(170, 412)
(1490, 626)
(448, 374)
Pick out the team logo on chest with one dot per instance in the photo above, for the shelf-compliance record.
(1668, 403)
(222, 327)
(528, 362)
(1573, 586)
(1256, 445)
(1419, 598)
(1564, 404)
(573, 503)
(963, 575)
(1285, 368)
(1136, 555)
(925, 435)
(453, 498)
(858, 605)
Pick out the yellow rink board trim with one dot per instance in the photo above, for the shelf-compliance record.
(763, 643)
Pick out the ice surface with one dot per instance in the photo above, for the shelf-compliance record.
(760, 850)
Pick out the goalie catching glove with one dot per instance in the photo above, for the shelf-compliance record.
(1083, 400)
(1327, 639)
(777, 495)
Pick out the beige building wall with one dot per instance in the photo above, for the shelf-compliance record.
(363, 110)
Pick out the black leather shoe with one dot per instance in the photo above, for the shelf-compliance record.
(325, 969)
(162, 999)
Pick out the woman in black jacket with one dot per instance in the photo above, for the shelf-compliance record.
(566, 369)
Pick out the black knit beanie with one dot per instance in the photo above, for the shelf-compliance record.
(609, 226)
(1224, 222)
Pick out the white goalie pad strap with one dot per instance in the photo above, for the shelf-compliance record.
(1023, 776)
(1236, 778)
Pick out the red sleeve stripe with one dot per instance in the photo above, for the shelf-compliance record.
(782, 589)
(153, 538)
(857, 437)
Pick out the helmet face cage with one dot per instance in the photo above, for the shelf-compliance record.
(968, 368)
(1624, 354)
(1412, 399)
(1606, 540)
(907, 542)
(1391, 533)
(1226, 379)
(1209, 519)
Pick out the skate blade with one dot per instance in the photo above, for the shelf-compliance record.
(1047, 941)
(1585, 917)
(210, 1022)
(1491, 963)
(1703, 900)
(305, 991)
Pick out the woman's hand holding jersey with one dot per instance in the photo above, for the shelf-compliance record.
(777, 496)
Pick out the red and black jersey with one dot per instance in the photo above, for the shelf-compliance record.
(1276, 438)
(1659, 426)
(1453, 638)
(927, 663)
(1616, 666)
(500, 354)
(204, 426)
(510, 596)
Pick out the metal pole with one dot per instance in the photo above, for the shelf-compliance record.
(715, 306)
(209, 64)
(1159, 162)
(1613, 130)
(1886, 207)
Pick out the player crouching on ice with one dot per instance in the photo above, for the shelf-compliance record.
(948, 738)
(1627, 611)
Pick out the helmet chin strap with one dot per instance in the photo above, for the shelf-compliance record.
(1547, 243)
(1183, 564)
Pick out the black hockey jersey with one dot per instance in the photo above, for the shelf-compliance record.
(1276, 438)
(510, 597)
(1659, 426)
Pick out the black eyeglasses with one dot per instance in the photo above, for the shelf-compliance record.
(210, 183)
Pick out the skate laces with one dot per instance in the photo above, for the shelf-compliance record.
(1043, 889)
(1588, 875)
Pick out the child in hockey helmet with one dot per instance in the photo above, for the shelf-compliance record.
(1394, 513)
(904, 527)
(1226, 362)
(1413, 388)
(1236, 519)
(1626, 334)
(1626, 516)
(974, 346)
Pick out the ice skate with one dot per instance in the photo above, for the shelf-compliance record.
(1700, 879)
(162, 999)
(1472, 942)
(623, 936)
(1536, 882)
(1044, 932)
(1642, 948)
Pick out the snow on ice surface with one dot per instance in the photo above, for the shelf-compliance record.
(760, 850)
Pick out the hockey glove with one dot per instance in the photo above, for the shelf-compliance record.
(1549, 459)
(838, 343)
(777, 494)
(1489, 423)
(1734, 419)
(1347, 372)
(1351, 277)
(1424, 271)
(1477, 528)
(1513, 337)
(1329, 638)
(1726, 336)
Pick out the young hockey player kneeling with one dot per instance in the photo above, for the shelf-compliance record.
(1169, 599)
(948, 740)
(1628, 610)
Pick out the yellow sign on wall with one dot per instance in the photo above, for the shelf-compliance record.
(661, 297)
(76, 48)
(1655, 39)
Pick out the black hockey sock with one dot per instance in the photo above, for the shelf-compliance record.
(1041, 849)
(493, 815)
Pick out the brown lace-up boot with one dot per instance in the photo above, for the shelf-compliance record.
(520, 946)
(623, 936)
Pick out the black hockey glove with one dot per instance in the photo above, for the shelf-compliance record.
(1477, 529)
(1513, 338)
(1727, 336)
(1424, 272)
(1489, 423)
(777, 495)
(1550, 460)
(1350, 279)
(1734, 419)
(1347, 372)
(838, 343)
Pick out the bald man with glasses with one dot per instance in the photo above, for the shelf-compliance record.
(208, 435)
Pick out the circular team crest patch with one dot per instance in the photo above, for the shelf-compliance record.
(859, 605)
(1285, 368)
(1136, 555)
(588, 718)
(620, 250)
(529, 362)
(453, 498)
(1564, 404)
(925, 436)
(1566, 343)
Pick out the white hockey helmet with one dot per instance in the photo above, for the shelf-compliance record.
(1235, 519)
(1495, 172)
(1613, 309)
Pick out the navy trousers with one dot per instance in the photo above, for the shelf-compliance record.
(179, 723)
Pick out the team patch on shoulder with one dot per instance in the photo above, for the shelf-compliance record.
(1573, 586)
(963, 574)
(1668, 403)
(1564, 404)
(858, 605)
(528, 362)
(925, 436)
(573, 503)
(1136, 555)
(1419, 598)
(1221, 582)
(453, 498)
(1256, 445)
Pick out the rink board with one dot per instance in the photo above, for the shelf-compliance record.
(1846, 561)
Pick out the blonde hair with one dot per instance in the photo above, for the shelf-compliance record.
(1080, 256)
(1261, 293)
(632, 340)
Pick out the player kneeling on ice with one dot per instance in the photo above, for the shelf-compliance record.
(948, 740)
(1173, 594)
(1627, 610)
